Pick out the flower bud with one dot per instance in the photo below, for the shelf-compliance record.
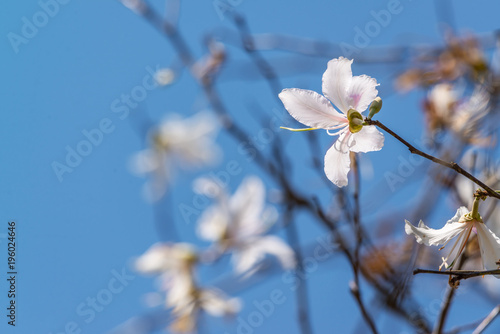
(375, 107)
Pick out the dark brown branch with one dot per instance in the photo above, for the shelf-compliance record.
(459, 274)
(451, 165)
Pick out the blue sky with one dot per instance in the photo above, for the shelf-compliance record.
(77, 233)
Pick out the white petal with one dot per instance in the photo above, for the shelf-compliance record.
(361, 92)
(367, 140)
(253, 252)
(208, 187)
(489, 244)
(310, 108)
(162, 257)
(429, 236)
(213, 223)
(146, 161)
(216, 303)
(337, 162)
(280, 249)
(336, 81)
(247, 206)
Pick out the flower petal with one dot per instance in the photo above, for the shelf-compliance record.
(217, 304)
(246, 206)
(361, 92)
(367, 140)
(213, 223)
(429, 236)
(252, 253)
(337, 162)
(336, 81)
(489, 244)
(310, 108)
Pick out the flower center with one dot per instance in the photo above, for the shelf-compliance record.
(355, 120)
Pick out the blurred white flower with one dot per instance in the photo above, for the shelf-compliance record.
(178, 142)
(461, 225)
(463, 116)
(211, 301)
(238, 224)
(174, 263)
(351, 95)
(167, 257)
(164, 76)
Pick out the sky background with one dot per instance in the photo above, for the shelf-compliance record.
(77, 234)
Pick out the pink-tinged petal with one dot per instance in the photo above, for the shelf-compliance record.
(337, 161)
(311, 108)
(489, 244)
(367, 140)
(429, 236)
(336, 81)
(361, 92)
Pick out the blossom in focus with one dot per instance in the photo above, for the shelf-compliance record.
(461, 226)
(238, 223)
(177, 142)
(351, 95)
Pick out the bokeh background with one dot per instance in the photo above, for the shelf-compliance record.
(76, 233)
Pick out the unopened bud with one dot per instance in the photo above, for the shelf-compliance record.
(375, 107)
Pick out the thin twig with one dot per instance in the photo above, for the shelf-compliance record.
(451, 165)
(460, 274)
(487, 321)
(301, 292)
(355, 286)
(445, 307)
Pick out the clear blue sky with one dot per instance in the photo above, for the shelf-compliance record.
(77, 234)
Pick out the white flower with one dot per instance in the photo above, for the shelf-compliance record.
(237, 223)
(162, 257)
(184, 143)
(351, 95)
(461, 225)
(211, 301)
(174, 264)
(165, 76)
(462, 115)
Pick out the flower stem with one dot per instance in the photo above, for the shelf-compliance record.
(475, 209)
(451, 165)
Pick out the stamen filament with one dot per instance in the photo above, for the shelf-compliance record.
(298, 130)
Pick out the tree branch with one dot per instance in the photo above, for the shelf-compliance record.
(451, 165)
